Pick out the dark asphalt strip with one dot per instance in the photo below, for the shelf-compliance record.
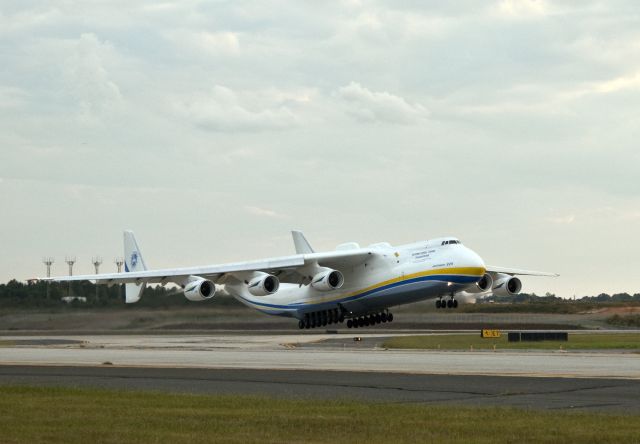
(536, 393)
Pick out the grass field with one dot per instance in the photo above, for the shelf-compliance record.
(621, 341)
(59, 415)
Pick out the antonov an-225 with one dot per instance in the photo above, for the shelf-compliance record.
(355, 284)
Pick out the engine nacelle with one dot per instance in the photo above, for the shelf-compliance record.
(484, 284)
(199, 290)
(263, 285)
(506, 285)
(327, 280)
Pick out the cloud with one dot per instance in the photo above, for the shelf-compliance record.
(520, 9)
(263, 212)
(88, 79)
(11, 97)
(369, 106)
(225, 110)
(562, 220)
(205, 42)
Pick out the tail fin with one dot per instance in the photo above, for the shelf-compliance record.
(301, 244)
(133, 261)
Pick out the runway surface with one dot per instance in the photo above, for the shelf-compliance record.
(310, 352)
(326, 366)
(536, 393)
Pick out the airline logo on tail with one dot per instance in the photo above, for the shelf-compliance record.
(134, 259)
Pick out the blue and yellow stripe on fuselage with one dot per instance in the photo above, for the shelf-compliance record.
(461, 277)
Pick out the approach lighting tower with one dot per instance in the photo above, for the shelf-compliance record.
(48, 261)
(70, 260)
(119, 262)
(96, 261)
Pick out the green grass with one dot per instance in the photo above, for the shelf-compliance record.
(604, 341)
(61, 415)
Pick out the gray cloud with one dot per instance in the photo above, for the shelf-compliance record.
(372, 106)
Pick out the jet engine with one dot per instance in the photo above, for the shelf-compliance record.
(327, 280)
(506, 285)
(484, 284)
(263, 284)
(199, 290)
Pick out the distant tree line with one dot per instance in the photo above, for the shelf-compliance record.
(43, 294)
(552, 298)
(50, 294)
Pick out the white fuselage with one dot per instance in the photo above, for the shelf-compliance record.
(393, 276)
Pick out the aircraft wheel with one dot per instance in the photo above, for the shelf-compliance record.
(378, 318)
(341, 319)
(455, 304)
(438, 303)
(300, 325)
(449, 303)
(383, 317)
(349, 323)
(390, 317)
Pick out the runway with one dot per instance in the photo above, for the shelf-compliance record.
(310, 366)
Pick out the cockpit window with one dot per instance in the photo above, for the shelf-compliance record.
(449, 242)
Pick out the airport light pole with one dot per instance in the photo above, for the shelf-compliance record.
(119, 261)
(70, 260)
(48, 261)
(96, 261)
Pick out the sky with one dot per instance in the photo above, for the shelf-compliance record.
(214, 128)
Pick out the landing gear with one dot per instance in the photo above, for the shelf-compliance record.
(321, 318)
(370, 320)
(451, 303)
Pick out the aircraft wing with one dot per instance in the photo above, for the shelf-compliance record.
(178, 275)
(286, 266)
(515, 271)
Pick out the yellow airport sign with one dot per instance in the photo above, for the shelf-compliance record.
(488, 333)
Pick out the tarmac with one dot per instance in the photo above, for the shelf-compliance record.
(326, 366)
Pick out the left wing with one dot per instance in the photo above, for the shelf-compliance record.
(287, 268)
(515, 271)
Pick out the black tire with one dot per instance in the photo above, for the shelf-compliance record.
(449, 303)
(383, 317)
(438, 303)
(455, 304)
(341, 319)
(378, 318)
(360, 322)
(390, 317)
(300, 325)
(349, 323)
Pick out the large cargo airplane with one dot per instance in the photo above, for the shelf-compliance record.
(352, 284)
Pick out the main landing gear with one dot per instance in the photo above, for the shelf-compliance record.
(451, 303)
(366, 321)
(321, 319)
